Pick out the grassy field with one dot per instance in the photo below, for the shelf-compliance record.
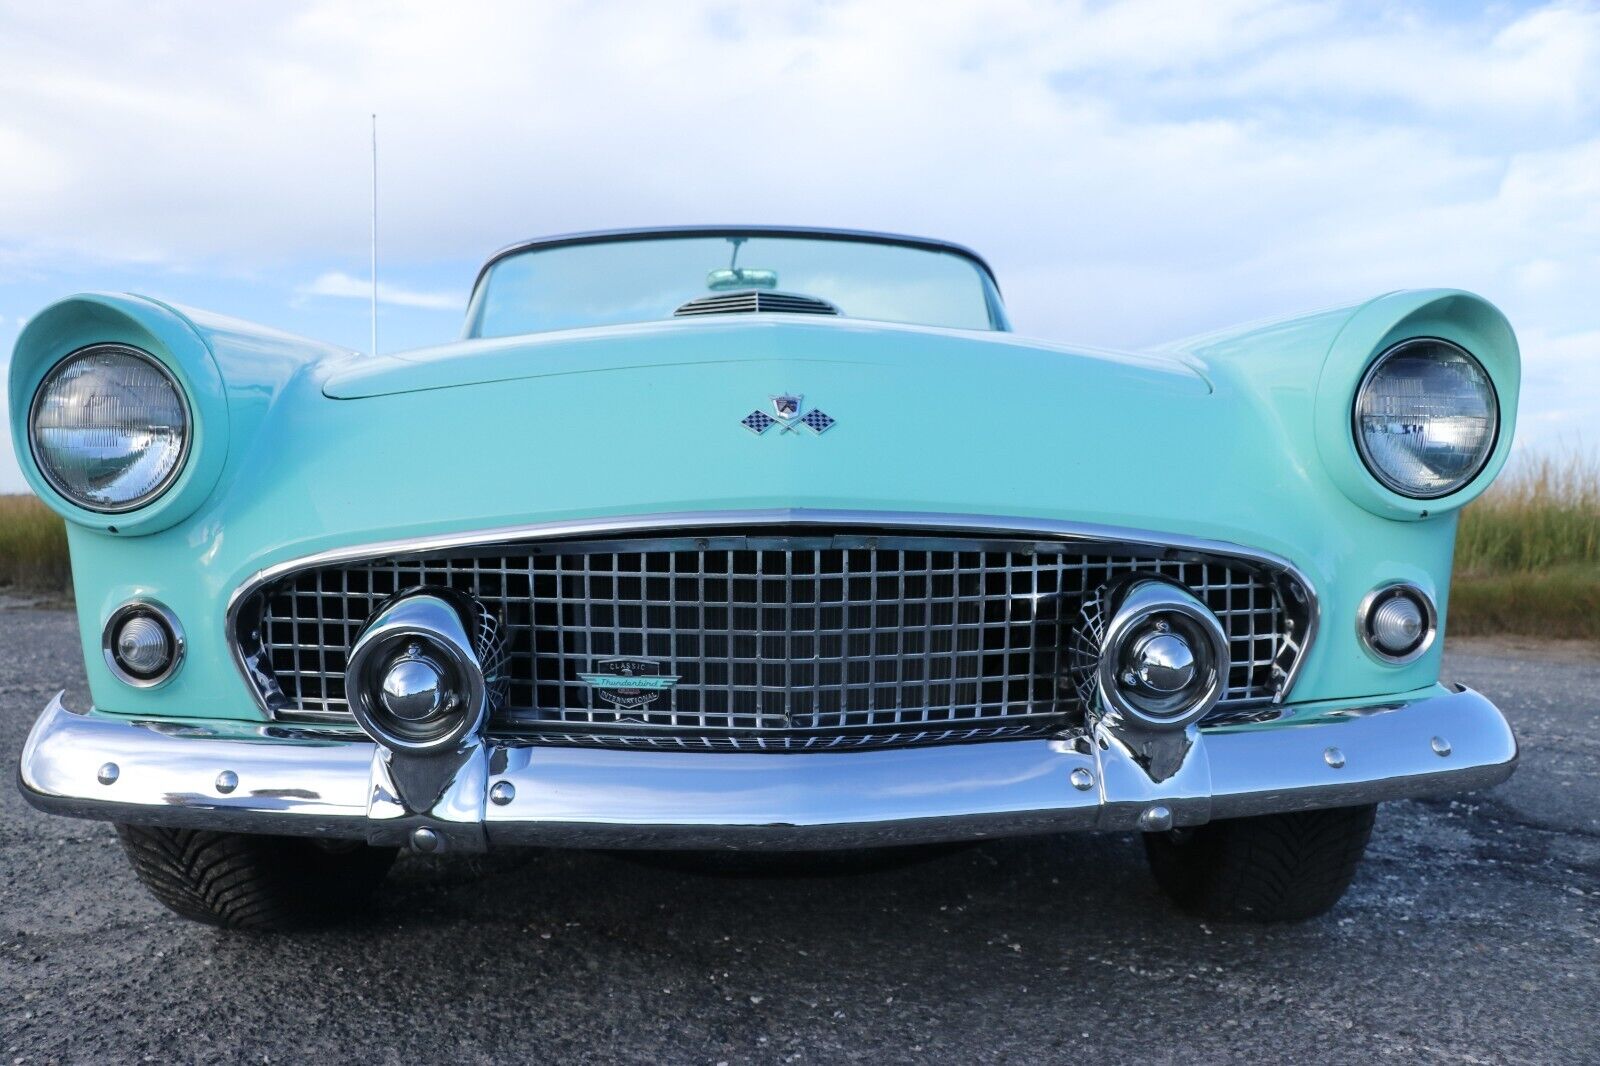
(33, 548)
(1528, 553)
(1527, 559)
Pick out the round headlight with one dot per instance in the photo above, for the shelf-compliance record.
(1425, 418)
(109, 428)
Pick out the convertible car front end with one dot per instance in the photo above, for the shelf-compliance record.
(756, 537)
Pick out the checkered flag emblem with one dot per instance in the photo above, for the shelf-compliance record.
(787, 417)
(758, 422)
(817, 420)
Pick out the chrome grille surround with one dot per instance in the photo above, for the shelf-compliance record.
(791, 630)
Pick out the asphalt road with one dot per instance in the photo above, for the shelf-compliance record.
(1471, 935)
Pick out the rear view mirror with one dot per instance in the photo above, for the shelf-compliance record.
(741, 278)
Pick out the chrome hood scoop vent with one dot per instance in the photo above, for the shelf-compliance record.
(751, 301)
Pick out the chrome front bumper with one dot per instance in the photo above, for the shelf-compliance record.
(271, 779)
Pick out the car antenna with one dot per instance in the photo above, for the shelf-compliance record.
(374, 235)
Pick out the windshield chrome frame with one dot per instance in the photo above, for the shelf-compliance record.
(992, 298)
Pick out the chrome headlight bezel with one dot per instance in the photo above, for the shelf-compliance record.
(53, 478)
(1486, 448)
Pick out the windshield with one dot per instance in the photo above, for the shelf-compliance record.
(612, 281)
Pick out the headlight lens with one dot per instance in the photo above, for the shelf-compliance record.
(109, 428)
(1425, 418)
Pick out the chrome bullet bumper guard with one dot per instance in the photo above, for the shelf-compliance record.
(270, 779)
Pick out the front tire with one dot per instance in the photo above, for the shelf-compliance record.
(1271, 868)
(243, 881)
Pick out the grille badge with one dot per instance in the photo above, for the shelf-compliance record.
(628, 682)
(786, 414)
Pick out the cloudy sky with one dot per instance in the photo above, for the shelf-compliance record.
(1135, 171)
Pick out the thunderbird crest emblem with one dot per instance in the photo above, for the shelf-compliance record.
(629, 683)
(787, 416)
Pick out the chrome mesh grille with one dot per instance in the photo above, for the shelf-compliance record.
(799, 641)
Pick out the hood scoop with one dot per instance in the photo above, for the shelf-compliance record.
(751, 301)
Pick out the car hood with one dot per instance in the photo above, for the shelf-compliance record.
(650, 419)
(774, 340)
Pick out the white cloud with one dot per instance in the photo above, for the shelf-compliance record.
(337, 283)
(1135, 170)
(1544, 66)
(1560, 388)
(514, 118)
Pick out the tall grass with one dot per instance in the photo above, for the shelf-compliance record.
(33, 547)
(1544, 512)
(1528, 552)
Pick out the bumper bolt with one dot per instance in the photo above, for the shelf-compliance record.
(227, 781)
(1334, 758)
(108, 774)
(1157, 819)
(1082, 779)
(424, 839)
(502, 793)
(1440, 746)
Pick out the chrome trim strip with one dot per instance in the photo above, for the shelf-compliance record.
(300, 782)
(971, 525)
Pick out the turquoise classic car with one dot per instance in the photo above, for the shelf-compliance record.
(757, 538)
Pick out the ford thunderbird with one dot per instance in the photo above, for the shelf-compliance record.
(757, 538)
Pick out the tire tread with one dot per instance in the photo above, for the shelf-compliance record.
(239, 881)
(1277, 867)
